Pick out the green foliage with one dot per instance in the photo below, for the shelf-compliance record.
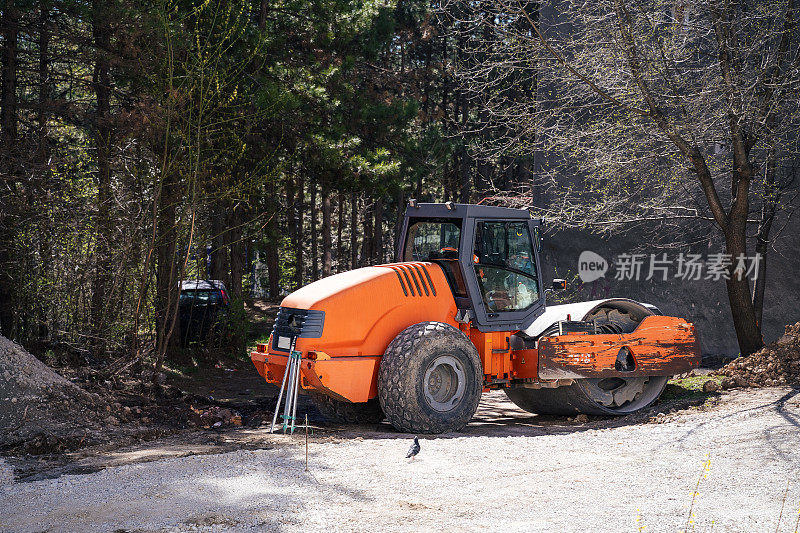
(218, 110)
(688, 388)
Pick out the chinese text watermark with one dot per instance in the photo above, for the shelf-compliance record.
(688, 267)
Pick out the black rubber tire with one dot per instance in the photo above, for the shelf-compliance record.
(574, 399)
(342, 412)
(402, 373)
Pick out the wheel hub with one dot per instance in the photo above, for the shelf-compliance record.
(444, 383)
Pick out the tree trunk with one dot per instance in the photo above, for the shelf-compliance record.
(465, 185)
(748, 333)
(298, 222)
(10, 32)
(273, 263)
(103, 224)
(398, 225)
(9, 26)
(235, 246)
(769, 205)
(314, 255)
(427, 81)
(377, 238)
(339, 244)
(45, 85)
(445, 82)
(291, 226)
(42, 167)
(219, 264)
(166, 270)
(353, 231)
(760, 281)
(263, 8)
(366, 239)
(326, 233)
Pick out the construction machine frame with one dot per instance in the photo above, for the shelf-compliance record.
(463, 310)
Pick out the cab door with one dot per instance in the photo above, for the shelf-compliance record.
(504, 279)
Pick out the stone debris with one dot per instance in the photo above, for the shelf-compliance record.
(774, 365)
(214, 417)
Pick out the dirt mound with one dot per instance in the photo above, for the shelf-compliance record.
(40, 411)
(775, 364)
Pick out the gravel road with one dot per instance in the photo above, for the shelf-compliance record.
(507, 473)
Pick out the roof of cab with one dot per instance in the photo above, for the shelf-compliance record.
(453, 210)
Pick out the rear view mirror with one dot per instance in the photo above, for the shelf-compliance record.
(559, 284)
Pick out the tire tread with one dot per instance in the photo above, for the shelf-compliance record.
(395, 383)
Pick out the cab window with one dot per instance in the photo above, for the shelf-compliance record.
(431, 239)
(505, 266)
(437, 240)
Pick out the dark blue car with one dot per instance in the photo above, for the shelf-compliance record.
(203, 307)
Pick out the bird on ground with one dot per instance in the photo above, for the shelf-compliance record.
(414, 450)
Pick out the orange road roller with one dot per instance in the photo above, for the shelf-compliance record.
(463, 311)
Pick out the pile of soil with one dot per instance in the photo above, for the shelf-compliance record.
(40, 411)
(773, 365)
(47, 412)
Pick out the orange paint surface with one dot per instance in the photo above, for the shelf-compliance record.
(364, 310)
(347, 378)
(493, 349)
(525, 364)
(660, 345)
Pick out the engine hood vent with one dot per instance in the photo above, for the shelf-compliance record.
(414, 278)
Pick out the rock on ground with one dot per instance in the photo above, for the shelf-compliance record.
(773, 365)
(40, 411)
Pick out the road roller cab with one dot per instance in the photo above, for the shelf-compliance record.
(463, 311)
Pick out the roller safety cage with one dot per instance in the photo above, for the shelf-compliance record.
(463, 311)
